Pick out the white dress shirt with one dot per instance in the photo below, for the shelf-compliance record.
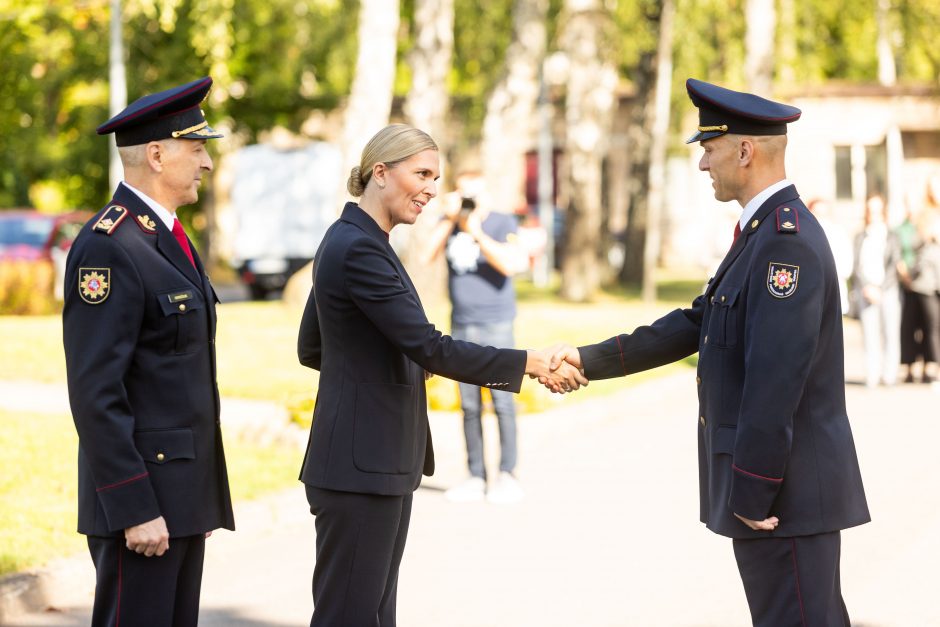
(162, 212)
(754, 204)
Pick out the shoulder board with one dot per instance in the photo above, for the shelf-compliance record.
(110, 219)
(788, 220)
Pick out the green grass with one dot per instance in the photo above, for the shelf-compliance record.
(38, 485)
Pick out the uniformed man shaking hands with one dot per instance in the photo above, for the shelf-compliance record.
(139, 333)
(778, 471)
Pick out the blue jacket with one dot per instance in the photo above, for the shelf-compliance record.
(139, 333)
(774, 438)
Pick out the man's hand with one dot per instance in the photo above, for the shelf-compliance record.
(768, 524)
(149, 538)
(563, 378)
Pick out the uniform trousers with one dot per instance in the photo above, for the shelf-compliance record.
(133, 590)
(360, 542)
(793, 582)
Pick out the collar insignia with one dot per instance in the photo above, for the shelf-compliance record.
(148, 225)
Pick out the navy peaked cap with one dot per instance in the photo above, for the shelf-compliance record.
(723, 111)
(173, 113)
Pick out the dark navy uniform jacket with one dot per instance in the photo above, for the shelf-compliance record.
(366, 332)
(774, 438)
(139, 333)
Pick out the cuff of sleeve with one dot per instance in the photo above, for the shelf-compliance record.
(600, 364)
(752, 495)
(129, 504)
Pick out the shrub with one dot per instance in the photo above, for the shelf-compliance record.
(26, 287)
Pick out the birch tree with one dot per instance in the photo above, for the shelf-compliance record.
(511, 106)
(589, 103)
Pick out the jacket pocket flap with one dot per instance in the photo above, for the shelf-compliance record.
(164, 445)
(723, 440)
(179, 301)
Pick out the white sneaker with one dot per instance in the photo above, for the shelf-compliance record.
(506, 490)
(469, 490)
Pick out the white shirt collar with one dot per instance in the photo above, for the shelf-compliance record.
(162, 212)
(754, 204)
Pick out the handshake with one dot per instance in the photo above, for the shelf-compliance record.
(558, 368)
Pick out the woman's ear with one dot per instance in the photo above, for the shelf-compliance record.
(380, 174)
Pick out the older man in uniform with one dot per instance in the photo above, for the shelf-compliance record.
(778, 470)
(139, 333)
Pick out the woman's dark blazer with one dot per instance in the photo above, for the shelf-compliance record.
(364, 329)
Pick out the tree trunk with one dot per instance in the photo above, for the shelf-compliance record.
(759, 41)
(511, 107)
(887, 68)
(657, 173)
(590, 100)
(426, 108)
(640, 137)
(370, 101)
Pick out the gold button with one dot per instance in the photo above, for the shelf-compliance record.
(706, 340)
(713, 300)
(160, 457)
(787, 209)
(182, 306)
(722, 299)
(754, 224)
(701, 419)
(698, 380)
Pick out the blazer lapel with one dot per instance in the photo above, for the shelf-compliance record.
(785, 195)
(353, 213)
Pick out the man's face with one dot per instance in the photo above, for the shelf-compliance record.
(721, 161)
(184, 163)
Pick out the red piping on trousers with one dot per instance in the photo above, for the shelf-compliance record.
(796, 573)
(117, 619)
(751, 474)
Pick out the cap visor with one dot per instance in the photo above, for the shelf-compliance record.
(699, 136)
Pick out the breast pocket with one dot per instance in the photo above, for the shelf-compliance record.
(183, 312)
(723, 324)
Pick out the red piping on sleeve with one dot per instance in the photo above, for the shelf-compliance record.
(751, 474)
(120, 483)
(620, 348)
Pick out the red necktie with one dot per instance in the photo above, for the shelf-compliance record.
(737, 231)
(180, 236)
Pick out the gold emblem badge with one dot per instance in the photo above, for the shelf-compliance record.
(782, 279)
(147, 224)
(94, 284)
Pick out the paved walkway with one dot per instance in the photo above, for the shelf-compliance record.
(608, 534)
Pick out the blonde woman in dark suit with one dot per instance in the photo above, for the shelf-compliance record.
(365, 330)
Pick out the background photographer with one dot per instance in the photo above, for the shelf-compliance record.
(483, 253)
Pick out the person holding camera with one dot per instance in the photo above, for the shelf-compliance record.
(483, 253)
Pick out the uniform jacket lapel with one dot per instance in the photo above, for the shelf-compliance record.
(166, 243)
(785, 195)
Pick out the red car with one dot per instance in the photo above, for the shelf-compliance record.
(30, 235)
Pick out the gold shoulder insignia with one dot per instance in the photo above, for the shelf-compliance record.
(147, 224)
(111, 219)
(94, 285)
(788, 220)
